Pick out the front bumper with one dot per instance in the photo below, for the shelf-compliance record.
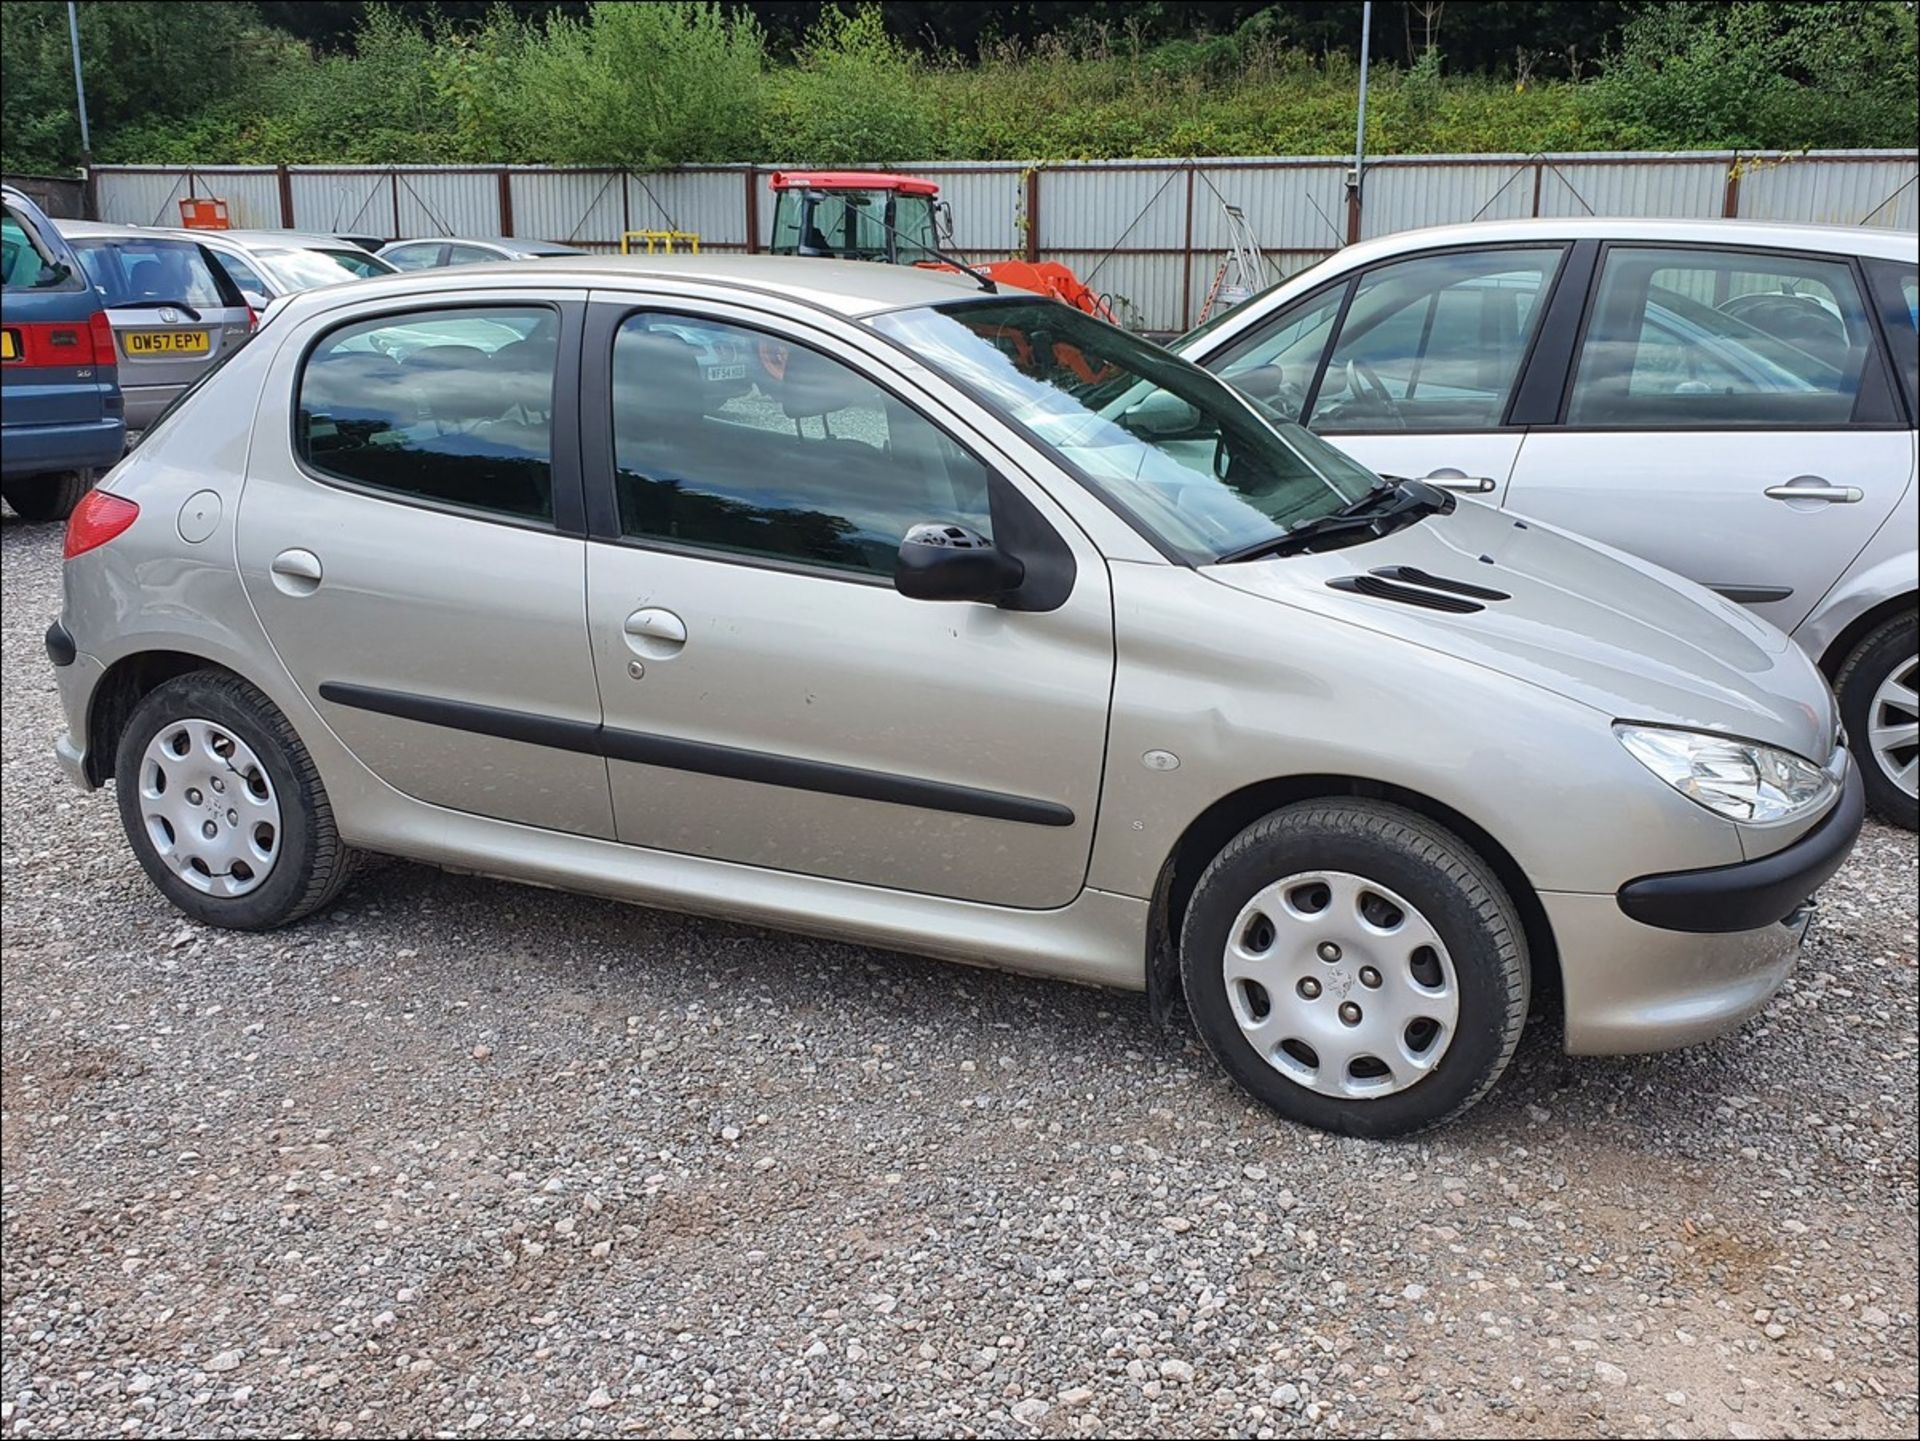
(1682, 957)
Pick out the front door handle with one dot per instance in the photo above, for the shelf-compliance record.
(1812, 487)
(1447, 478)
(656, 624)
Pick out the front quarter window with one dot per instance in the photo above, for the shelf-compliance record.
(1202, 470)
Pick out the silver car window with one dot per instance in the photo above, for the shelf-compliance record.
(734, 440)
(465, 422)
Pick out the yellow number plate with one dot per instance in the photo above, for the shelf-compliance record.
(9, 345)
(167, 342)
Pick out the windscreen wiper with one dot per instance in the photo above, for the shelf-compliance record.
(192, 314)
(1379, 510)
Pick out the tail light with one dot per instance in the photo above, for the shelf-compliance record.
(97, 519)
(101, 329)
(253, 320)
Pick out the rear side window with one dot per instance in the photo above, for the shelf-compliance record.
(1897, 291)
(139, 272)
(448, 406)
(472, 255)
(1722, 338)
(731, 440)
(243, 275)
(26, 261)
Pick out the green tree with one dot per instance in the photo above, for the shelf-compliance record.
(142, 59)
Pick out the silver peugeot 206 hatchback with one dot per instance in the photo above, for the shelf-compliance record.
(860, 601)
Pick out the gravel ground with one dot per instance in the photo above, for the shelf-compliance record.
(464, 1157)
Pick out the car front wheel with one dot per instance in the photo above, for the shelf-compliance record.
(1356, 967)
(223, 806)
(1879, 709)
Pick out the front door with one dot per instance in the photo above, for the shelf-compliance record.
(410, 537)
(769, 697)
(1410, 366)
(1731, 417)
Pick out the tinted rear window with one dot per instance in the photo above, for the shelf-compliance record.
(139, 270)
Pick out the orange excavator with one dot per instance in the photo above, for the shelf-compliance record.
(897, 220)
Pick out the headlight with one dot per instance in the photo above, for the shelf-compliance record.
(1741, 780)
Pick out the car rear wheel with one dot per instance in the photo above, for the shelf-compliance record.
(1356, 967)
(48, 497)
(222, 805)
(1879, 708)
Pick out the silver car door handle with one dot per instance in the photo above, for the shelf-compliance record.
(1447, 478)
(656, 624)
(297, 572)
(1838, 494)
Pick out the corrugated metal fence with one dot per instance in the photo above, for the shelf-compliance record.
(1148, 231)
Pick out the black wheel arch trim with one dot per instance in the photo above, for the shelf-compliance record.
(1749, 895)
(700, 757)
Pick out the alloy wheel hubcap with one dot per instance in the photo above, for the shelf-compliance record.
(1893, 726)
(1341, 985)
(209, 808)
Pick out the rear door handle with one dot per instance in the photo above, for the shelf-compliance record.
(657, 624)
(1812, 488)
(297, 572)
(1447, 478)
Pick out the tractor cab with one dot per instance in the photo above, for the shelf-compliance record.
(856, 215)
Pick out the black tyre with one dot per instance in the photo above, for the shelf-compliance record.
(223, 807)
(48, 497)
(1356, 967)
(1876, 689)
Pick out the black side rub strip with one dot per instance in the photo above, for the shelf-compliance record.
(1751, 894)
(700, 757)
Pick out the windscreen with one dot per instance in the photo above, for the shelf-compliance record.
(309, 269)
(1190, 461)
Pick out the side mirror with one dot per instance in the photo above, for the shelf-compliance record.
(1161, 413)
(950, 562)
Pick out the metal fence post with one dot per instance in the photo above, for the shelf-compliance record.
(285, 179)
(506, 203)
(1186, 259)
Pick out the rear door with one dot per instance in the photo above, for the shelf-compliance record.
(1412, 365)
(174, 312)
(1731, 415)
(410, 538)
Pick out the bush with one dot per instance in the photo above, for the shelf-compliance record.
(1765, 76)
(854, 95)
(640, 86)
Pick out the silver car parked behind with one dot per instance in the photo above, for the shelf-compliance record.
(175, 313)
(955, 622)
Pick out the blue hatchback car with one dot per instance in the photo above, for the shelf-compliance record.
(62, 418)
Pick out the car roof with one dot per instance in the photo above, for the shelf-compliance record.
(518, 243)
(1834, 239)
(296, 239)
(845, 287)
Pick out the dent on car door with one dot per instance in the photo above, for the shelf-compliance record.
(1732, 416)
(1410, 367)
(410, 537)
(770, 698)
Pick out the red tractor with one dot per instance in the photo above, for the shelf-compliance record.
(898, 220)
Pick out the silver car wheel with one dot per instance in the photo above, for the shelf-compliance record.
(209, 808)
(1341, 985)
(1893, 726)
